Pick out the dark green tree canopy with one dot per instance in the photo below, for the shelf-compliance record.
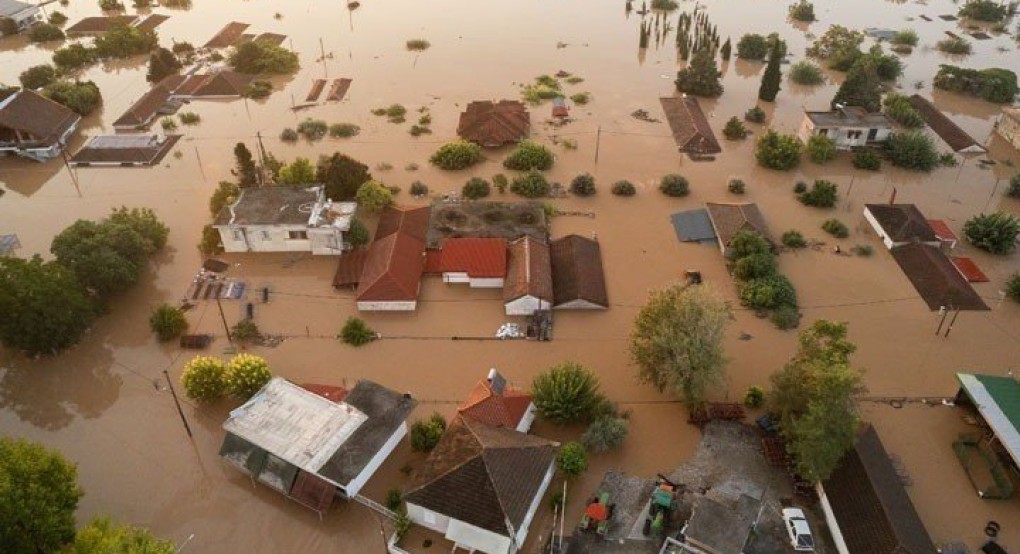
(103, 536)
(162, 63)
(772, 79)
(701, 77)
(258, 57)
(342, 176)
(82, 97)
(44, 308)
(862, 87)
(38, 496)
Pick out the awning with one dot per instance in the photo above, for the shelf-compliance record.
(993, 397)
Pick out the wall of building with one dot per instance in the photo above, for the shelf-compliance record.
(326, 241)
(427, 518)
(487, 283)
(522, 532)
(470, 537)
(526, 305)
(830, 519)
(529, 418)
(840, 135)
(263, 238)
(579, 304)
(1009, 129)
(387, 306)
(354, 487)
(878, 228)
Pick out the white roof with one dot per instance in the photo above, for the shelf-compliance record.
(294, 424)
(11, 7)
(126, 141)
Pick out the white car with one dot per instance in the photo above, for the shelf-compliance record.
(797, 528)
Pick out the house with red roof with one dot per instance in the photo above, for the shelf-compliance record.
(529, 285)
(479, 262)
(391, 277)
(495, 402)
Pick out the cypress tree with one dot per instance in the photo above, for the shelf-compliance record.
(772, 78)
(726, 49)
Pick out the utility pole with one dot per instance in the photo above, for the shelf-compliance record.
(598, 140)
(71, 172)
(223, 318)
(322, 49)
(200, 168)
(262, 160)
(177, 403)
(942, 322)
(951, 323)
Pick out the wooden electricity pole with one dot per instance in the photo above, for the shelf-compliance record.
(177, 403)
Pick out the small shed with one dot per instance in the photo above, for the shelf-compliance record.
(691, 131)
(493, 124)
(945, 128)
(579, 282)
(694, 226)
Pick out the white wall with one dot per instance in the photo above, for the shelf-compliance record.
(26, 17)
(529, 417)
(427, 518)
(354, 487)
(470, 537)
(264, 238)
(878, 229)
(840, 134)
(579, 305)
(830, 519)
(487, 283)
(522, 532)
(526, 305)
(456, 277)
(387, 306)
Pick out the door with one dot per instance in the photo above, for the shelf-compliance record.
(872, 134)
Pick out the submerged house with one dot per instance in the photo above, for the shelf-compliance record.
(578, 280)
(691, 131)
(728, 219)
(151, 105)
(124, 150)
(482, 486)
(207, 86)
(391, 275)
(1008, 126)
(315, 448)
(847, 126)
(33, 126)
(478, 262)
(866, 507)
(899, 224)
(23, 15)
(493, 124)
(495, 402)
(939, 281)
(285, 219)
(946, 128)
(529, 285)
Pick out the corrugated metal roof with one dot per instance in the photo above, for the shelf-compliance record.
(693, 226)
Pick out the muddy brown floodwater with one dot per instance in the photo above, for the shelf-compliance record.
(103, 403)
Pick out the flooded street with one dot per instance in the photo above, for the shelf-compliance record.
(104, 403)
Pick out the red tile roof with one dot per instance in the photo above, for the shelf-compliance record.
(942, 230)
(529, 270)
(494, 124)
(486, 406)
(689, 124)
(329, 392)
(396, 259)
(478, 257)
(970, 270)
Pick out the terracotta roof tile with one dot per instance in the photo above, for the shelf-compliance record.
(942, 230)
(506, 410)
(936, 279)
(950, 132)
(529, 270)
(494, 124)
(577, 271)
(690, 127)
(30, 112)
(729, 219)
(478, 257)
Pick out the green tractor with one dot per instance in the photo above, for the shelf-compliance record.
(662, 507)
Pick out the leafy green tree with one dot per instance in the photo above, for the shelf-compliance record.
(583, 185)
(245, 375)
(374, 196)
(802, 11)
(224, 195)
(1014, 187)
(862, 87)
(38, 76)
(341, 175)
(124, 41)
(102, 536)
(45, 32)
(530, 185)
(38, 496)
(814, 396)
(572, 459)
(677, 339)
(168, 322)
(57, 18)
(701, 77)
(605, 433)
(258, 57)
(887, 66)
(459, 154)
(210, 243)
(775, 150)
(754, 266)
(823, 194)
(752, 46)
(356, 332)
(426, 433)
(529, 155)
(912, 150)
(245, 331)
(1013, 287)
(806, 73)
(299, 172)
(984, 10)
(899, 108)
(839, 46)
(74, 56)
(204, 378)
(994, 84)
(567, 393)
(754, 397)
(82, 97)
(748, 243)
(162, 64)
(727, 50)
(358, 234)
(772, 79)
(793, 239)
(905, 37)
(995, 233)
(768, 293)
(623, 188)
(105, 257)
(475, 188)
(734, 129)
(867, 159)
(144, 222)
(836, 228)
(821, 149)
(674, 185)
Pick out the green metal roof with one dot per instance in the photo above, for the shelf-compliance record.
(998, 400)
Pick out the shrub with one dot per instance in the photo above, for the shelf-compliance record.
(182, 48)
(821, 149)
(580, 98)
(45, 32)
(793, 239)
(755, 115)
(993, 84)
(299, 172)
(1014, 187)
(418, 44)
(393, 499)
(899, 108)
(912, 150)
(356, 332)
(374, 196)
(418, 130)
(37, 76)
(985, 10)
(605, 433)
(954, 45)
(258, 89)
(836, 228)
(226, 193)
(530, 185)
(529, 155)
(748, 243)
(82, 97)
(995, 233)
(778, 151)
(768, 293)
(752, 47)
(313, 129)
(785, 318)
(258, 57)
(867, 159)
(168, 124)
(800, 187)
(823, 194)
(583, 185)
(203, 379)
(674, 185)
(74, 56)
(57, 18)
(289, 135)
(344, 130)
(245, 331)
(572, 459)
(567, 393)
(245, 375)
(864, 250)
(167, 322)
(754, 397)
(803, 11)
(501, 182)
(734, 129)
(124, 41)
(189, 118)
(664, 5)
(425, 433)
(1013, 287)
(357, 235)
(210, 242)
(754, 266)
(948, 159)
(906, 37)
(736, 186)
(459, 154)
(475, 188)
(806, 73)
(419, 188)
(626, 188)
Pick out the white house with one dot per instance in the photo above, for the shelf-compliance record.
(847, 126)
(900, 224)
(23, 15)
(33, 126)
(494, 402)
(482, 485)
(528, 287)
(477, 262)
(285, 219)
(310, 447)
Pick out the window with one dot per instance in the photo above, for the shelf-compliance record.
(853, 135)
(872, 134)
(238, 235)
(297, 235)
(265, 236)
(823, 132)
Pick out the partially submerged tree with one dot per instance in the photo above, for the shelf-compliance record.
(102, 536)
(299, 172)
(752, 46)
(341, 175)
(572, 459)
(772, 79)
(862, 87)
(912, 150)
(677, 338)
(356, 332)
(425, 433)
(995, 233)
(245, 169)
(38, 76)
(204, 378)
(38, 496)
(778, 151)
(258, 57)
(124, 41)
(168, 322)
(162, 64)
(605, 433)
(245, 375)
(373, 196)
(701, 77)
(839, 46)
(458, 154)
(567, 393)
(82, 97)
(529, 155)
